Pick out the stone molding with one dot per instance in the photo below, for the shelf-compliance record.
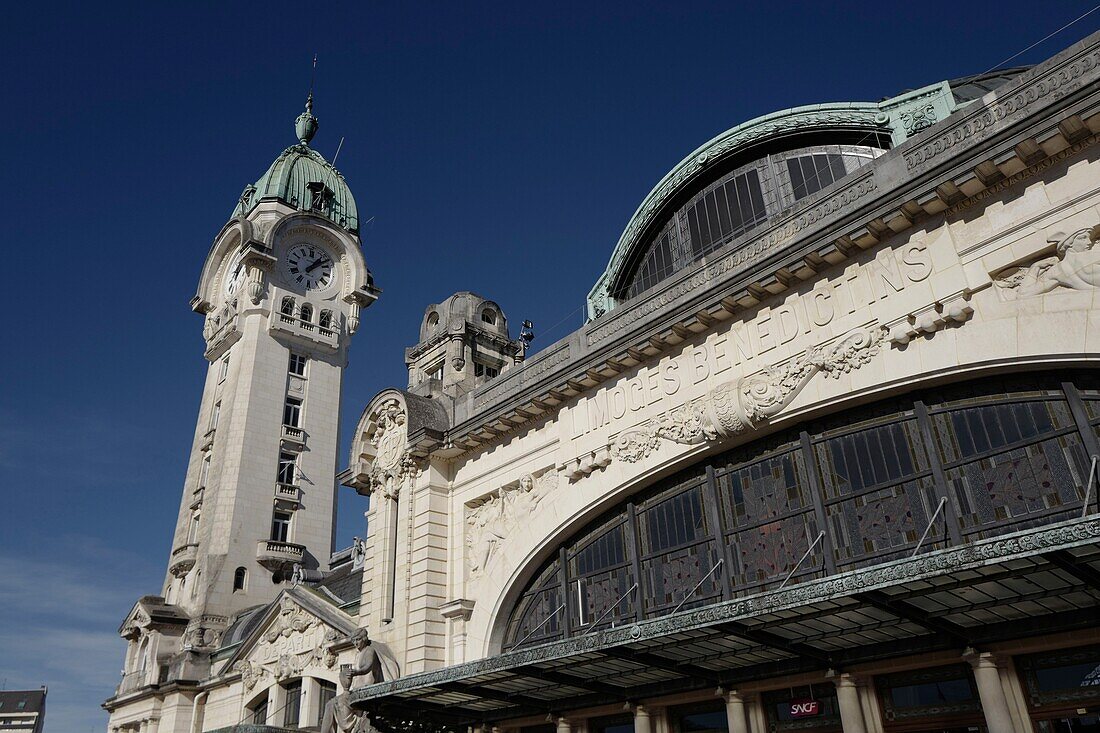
(636, 333)
(1013, 546)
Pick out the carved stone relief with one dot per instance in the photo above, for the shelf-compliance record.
(744, 404)
(1075, 265)
(391, 462)
(294, 641)
(501, 513)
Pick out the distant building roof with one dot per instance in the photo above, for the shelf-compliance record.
(23, 701)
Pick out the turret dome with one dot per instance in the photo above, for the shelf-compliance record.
(302, 178)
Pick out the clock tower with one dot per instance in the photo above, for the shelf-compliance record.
(281, 294)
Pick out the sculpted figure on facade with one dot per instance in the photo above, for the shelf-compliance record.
(1075, 265)
(373, 664)
(490, 523)
(746, 403)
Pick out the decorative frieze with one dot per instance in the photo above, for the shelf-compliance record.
(750, 401)
(979, 124)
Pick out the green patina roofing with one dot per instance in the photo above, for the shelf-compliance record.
(290, 177)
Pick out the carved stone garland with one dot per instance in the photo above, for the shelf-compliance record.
(743, 404)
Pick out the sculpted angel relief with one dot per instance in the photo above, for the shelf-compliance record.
(857, 288)
(503, 511)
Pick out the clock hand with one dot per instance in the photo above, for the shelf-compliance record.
(316, 262)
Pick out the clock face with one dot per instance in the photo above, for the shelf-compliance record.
(309, 266)
(234, 275)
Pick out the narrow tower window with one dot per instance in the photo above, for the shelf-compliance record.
(224, 369)
(292, 412)
(489, 316)
(297, 365)
(204, 471)
(326, 319)
(280, 526)
(193, 529)
(239, 576)
(307, 312)
(288, 462)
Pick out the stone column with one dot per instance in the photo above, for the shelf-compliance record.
(642, 721)
(564, 726)
(276, 696)
(309, 712)
(987, 675)
(735, 712)
(851, 712)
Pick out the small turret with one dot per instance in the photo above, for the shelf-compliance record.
(464, 343)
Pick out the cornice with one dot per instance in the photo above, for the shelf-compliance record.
(1051, 109)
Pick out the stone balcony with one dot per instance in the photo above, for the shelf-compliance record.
(183, 559)
(132, 681)
(305, 330)
(275, 555)
(293, 437)
(288, 495)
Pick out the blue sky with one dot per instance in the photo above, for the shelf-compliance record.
(500, 148)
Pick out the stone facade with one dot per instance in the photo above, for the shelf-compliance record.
(964, 254)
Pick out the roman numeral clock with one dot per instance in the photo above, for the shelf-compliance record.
(308, 266)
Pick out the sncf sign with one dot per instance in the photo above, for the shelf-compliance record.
(805, 708)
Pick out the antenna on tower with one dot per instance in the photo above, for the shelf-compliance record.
(338, 150)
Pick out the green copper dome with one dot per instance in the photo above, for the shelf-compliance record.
(302, 178)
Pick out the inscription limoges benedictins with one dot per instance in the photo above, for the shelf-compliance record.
(616, 406)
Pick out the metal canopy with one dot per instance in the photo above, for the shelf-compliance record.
(1035, 581)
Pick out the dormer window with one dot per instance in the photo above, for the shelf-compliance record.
(489, 316)
(319, 196)
(435, 372)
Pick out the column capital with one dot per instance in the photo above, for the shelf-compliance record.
(729, 695)
(844, 679)
(980, 659)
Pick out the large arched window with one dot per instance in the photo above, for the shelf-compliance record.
(738, 202)
(860, 488)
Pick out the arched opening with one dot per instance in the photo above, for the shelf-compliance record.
(287, 306)
(325, 320)
(306, 313)
(433, 319)
(489, 315)
(240, 575)
(856, 489)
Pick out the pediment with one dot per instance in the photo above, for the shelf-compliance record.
(297, 633)
(151, 612)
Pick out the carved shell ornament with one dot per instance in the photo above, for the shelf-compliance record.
(744, 404)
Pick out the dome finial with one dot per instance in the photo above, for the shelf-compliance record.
(306, 124)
